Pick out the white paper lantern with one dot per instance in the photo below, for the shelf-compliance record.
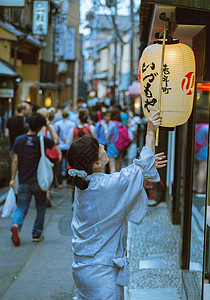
(178, 82)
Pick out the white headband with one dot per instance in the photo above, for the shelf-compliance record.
(79, 173)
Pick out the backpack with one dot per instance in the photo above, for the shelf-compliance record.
(79, 132)
(123, 140)
(198, 146)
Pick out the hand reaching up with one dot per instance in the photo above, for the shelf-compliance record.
(154, 122)
(160, 161)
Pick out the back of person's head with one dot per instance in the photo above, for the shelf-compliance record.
(115, 115)
(65, 114)
(42, 111)
(94, 117)
(106, 115)
(50, 115)
(83, 116)
(22, 106)
(36, 121)
(81, 155)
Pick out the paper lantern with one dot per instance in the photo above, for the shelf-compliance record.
(174, 95)
(48, 101)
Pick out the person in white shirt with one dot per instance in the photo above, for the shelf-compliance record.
(62, 129)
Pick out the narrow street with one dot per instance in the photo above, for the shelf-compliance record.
(42, 270)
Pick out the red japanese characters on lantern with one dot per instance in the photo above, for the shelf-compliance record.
(174, 95)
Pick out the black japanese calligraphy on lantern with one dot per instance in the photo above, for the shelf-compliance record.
(165, 88)
(144, 67)
(150, 102)
(147, 91)
(149, 79)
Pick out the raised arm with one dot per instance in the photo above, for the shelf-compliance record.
(153, 123)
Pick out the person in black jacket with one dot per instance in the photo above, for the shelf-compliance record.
(18, 124)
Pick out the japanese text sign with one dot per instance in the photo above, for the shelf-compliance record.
(40, 17)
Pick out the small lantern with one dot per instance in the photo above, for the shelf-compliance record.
(48, 102)
(174, 94)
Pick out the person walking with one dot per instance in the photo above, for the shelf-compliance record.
(103, 205)
(101, 131)
(26, 158)
(62, 128)
(115, 156)
(18, 124)
(83, 128)
(54, 155)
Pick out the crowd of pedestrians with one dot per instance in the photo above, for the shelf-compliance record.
(62, 125)
(113, 126)
(100, 121)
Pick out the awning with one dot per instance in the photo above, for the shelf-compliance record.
(29, 38)
(6, 70)
(50, 85)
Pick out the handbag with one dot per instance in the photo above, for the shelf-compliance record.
(52, 154)
(44, 170)
(10, 205)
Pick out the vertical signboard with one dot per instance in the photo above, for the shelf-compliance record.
(61, 23)
(70, 44)
(40, 17)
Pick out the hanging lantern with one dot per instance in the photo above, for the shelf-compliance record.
(173, 95)
(48, 101)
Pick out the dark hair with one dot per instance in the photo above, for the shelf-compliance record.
(50, 115)
(65, 113)
(21, 106)
(115, 115)
(83, 115)
(36, 121)
(81, 155)
(94, 117)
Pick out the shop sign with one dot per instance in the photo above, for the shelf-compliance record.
(61, 24)
(40, 17)
(12, 3)
(70, 45)
(199, 4)
(6, 93)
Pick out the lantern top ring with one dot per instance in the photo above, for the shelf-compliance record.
(167, 42)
